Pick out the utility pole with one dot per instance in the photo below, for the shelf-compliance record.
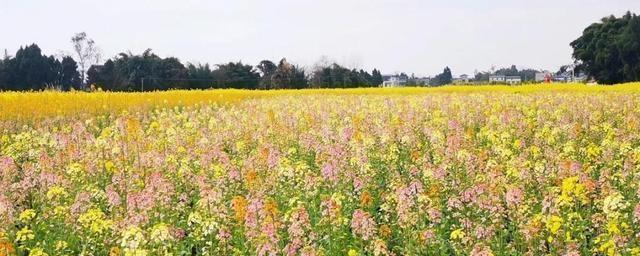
(142, 87)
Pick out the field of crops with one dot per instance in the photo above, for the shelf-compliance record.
(534, 170)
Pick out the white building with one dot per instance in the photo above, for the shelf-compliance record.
(497, 79)
(463, 79)
(513, 79)
(394, 81)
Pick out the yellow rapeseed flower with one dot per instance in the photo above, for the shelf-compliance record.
(612, 203)
(27, 215)
(24, 234)
(554, 223)
(56, 192)
(37, 252)
(457, 234)
(160, 233)
(94, 220)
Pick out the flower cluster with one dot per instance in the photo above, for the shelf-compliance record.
(503, 172)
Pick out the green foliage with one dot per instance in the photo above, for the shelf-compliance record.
(69, 77)
(267, 69)
(200, 76)
(336, 76)
(443, 78)
(376, 77)
(148, 72)
(236, 75)
(288, 76)
(609, 51)
(102, 75)
(31, 70)
(3, 73)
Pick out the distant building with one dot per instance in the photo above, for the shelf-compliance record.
(497, 79)
(570, 76)
(562, 78)
(513, 79)
(463, 79)
(543, 76)
(394, 81)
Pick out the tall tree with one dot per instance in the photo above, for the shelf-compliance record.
(237, 75)
(69, 77)
(86, 51)
(30, 70)
(376, 77)
(267, 70)
(609, 51)
(443, 78)
(103, 76)
(200, 76)
(288, 76)
(3, 73)
(366, 78)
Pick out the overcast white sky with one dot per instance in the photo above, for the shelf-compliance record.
(419, 36)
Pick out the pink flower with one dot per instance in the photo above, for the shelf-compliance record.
(636, 213)
(428, 235)
(81, 203)
(454, 203)
(363, 225)
(6, 210)
(330, 209)
(435, 215)
(113, 198)
(223, 235)
(513, 197)
(179, 233)
(251, 217)
(329, 172)
(481, 251)
(299, 223)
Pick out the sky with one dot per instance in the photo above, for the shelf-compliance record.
(411, 36)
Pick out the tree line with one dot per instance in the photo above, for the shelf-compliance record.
(30, 69)
(149, 72)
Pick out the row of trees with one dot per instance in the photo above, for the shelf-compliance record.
(31, 70)
(148, 72)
